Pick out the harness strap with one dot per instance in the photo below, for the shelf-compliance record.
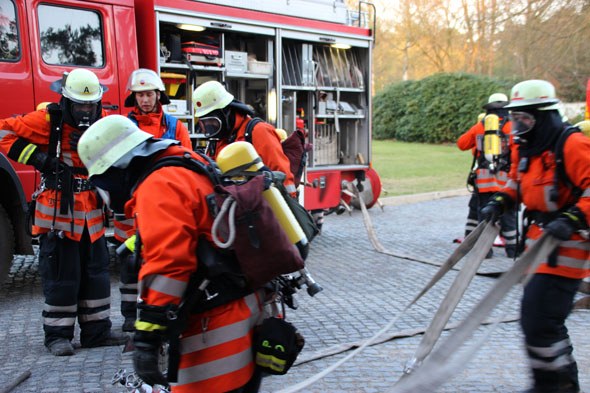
(250, 127)
(170, 124)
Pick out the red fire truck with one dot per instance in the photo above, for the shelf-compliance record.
(298, 63)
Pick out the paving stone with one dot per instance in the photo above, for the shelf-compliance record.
(363, 291)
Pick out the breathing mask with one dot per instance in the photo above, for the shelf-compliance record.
(83, 114)
(522, 123)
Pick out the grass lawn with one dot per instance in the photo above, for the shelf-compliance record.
(412, 168)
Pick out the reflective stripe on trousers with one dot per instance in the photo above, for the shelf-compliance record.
(75, 280)
(216, 353)
(547, 301)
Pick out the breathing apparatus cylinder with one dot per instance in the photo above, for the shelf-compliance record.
(241, 153)
(492, 144)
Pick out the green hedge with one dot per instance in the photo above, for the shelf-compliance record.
(436, 109)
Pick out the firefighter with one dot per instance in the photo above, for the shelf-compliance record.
(147, 95)
(73, 257)
(490, 175)
(473, 213)
(223, 120)
(170, 206)
(557, 209)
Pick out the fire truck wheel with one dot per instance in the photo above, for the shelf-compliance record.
(6, 244)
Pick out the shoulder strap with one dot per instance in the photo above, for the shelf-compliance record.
(56, 121)
(559, 164)
(250, 127)
(186, 161)
(170, 123)
(131, 116)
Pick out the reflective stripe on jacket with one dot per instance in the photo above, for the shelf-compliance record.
(535, 189)
(124, 227)
(35, 128)
(172, 213)
(267, 143)
(486, 181)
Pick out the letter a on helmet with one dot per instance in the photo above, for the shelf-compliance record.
(80, 85)
(108, 140)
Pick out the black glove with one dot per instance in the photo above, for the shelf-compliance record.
(146, 357)
(42, 162)
(74, 138)
(496, 206)
(568, 222)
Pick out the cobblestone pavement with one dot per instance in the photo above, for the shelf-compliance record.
(363, 291)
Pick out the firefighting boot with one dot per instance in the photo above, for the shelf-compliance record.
(563, 380)
(129, 325)
(60, 347)
(112, 338)
(510, 251)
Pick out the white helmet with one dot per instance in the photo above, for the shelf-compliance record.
(143, 79)
(538, 94)
(495, 101)
(80, 86)
(210, 96)
(108, 140)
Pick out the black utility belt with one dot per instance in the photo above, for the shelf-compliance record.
(220, 291)
(78, 184)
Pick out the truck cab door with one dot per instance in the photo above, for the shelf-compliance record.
(15, 60)
(68, 34)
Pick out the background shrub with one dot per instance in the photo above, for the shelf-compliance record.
(436, 109)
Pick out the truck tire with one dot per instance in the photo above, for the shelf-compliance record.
(7, 244)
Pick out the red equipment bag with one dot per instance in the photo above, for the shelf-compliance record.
(262, 247)
(211, 52)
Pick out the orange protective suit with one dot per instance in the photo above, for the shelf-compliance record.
(172, 213)
(35, 128)
(535, 186)
(155, 124)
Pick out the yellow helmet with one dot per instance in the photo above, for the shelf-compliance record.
(108, 140)
(533, 93)
(80, 85)
(210, 96)
(584, 125)
(281, 133)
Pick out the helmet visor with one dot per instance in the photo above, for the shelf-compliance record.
(522, 122)
(210, 126)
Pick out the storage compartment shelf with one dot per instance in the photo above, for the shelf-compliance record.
(342, 89)
(198, 67)
(340, 116)
(247, 75)
(302, 88)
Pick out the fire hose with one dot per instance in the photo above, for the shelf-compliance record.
(21, 378)
(470, 241)
(439, 366)
(425, 376)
